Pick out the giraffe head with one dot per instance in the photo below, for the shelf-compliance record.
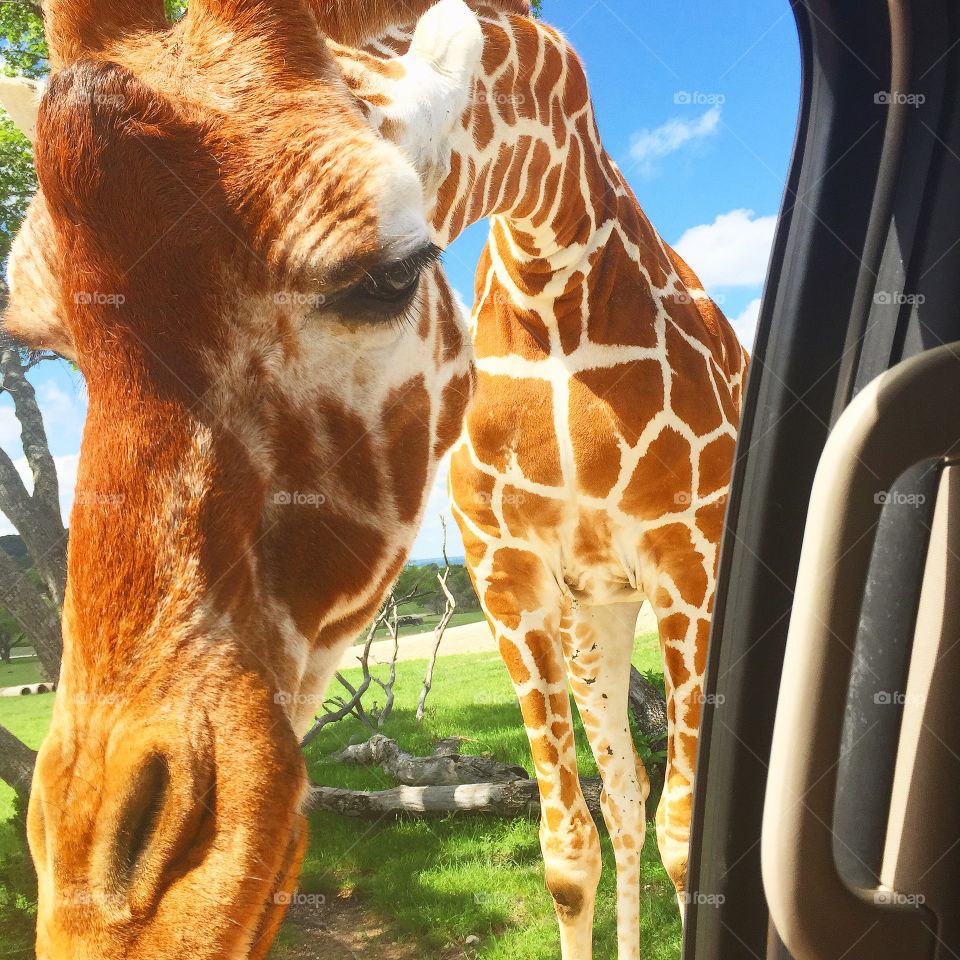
(241, 267)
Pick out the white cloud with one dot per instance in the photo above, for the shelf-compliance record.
(733, 251)
(9, 428)
(648, 146)
(746, 324)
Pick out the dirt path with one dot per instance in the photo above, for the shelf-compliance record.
(470, 638)
(341, 929)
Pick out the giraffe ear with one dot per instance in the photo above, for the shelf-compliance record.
(420, 110)
(20, 97)
(35, 312)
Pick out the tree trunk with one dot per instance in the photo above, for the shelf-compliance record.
(445, 768)
(36, 516)
(35, 614)
(648, 707)
(16, 763)
(517, 798)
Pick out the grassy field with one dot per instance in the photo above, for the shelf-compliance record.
(20, 670)
(434, 883)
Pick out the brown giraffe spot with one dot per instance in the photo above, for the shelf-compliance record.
(673, 661)
(592, 545)
(674, 627)
(514, 418)
(547, 199)
(539, 164)
(547, 82)
(710, 520)
(573, 223)
(702, 647)
(498, 178)
(569, 787)
(545, 755)
(496, 48)
(474, 550)
(514, 661)
(576, 92)
(351, 454)
(519, 154)
(559, 704)
(691, 393)
(534, 709)
(694, 705)
(568, 313)
(405, 411)
(663, 599)
(554, 817)
(716, 461)
(662, 479)
(474, 491)
(503, 329)
(558, 729)
(452, 338)
(515, 586)
(449, 190)
(671, 551)
(453, 406)
(621, 307)
(528, 514)
(543, 649)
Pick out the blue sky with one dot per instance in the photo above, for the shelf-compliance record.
(697, 103)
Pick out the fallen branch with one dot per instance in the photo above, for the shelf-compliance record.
(447, 766)
(516, 798)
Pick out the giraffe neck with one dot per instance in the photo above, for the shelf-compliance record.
(571, 258)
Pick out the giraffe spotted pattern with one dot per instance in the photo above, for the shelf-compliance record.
(593, 471)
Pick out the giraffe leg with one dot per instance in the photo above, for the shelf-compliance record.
(598, 648)
(529, 640)
(683, 603)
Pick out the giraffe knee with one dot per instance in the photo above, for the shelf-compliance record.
(569, 895)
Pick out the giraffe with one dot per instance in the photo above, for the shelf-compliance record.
(594, 466)
(242, 269)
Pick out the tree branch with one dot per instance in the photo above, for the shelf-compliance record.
(39, 620)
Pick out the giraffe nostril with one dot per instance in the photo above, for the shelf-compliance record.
(139, 820)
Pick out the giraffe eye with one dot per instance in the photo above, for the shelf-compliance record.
(389, 288)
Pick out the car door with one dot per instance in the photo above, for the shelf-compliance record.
(851, 846)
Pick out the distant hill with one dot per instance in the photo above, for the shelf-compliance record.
(454, 562)
(13, 544)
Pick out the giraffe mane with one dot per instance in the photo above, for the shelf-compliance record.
(352, 22)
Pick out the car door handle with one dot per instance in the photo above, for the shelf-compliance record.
(909, 414)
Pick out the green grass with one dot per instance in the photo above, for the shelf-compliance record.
(442, 881)
(20, 670)
(434, 882)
